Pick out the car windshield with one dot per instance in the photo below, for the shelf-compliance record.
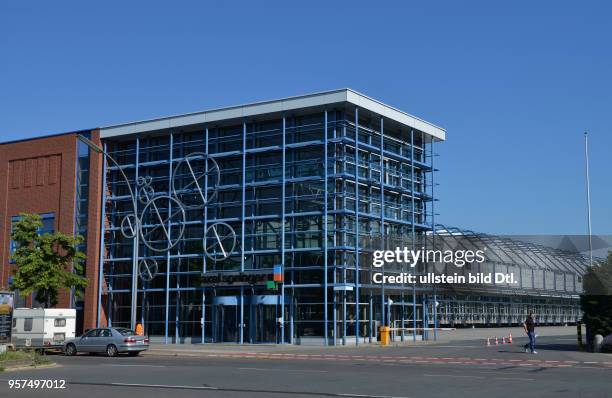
(125, 332)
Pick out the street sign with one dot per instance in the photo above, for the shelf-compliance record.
(278, 273)
(6, 316)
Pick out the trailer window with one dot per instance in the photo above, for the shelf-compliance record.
(27, 324)
(59, 322)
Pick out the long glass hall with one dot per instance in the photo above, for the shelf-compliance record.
(303, 189)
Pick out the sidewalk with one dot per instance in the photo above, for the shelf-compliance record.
(484, 333)
(458, 335)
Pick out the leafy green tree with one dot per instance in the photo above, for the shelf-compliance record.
(45, 263)
(596, 302)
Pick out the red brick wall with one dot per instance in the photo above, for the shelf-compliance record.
(37, 176)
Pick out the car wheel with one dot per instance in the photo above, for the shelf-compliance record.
(70, 350)
(111, 350)
(133, 353)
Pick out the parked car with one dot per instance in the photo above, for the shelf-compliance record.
(111, 341)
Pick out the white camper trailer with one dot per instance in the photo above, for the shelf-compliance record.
(43, 327)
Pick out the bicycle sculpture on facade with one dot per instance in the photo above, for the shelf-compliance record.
(163, 213)
(161, 222)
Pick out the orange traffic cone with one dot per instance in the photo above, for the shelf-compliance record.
(488, 342)
(503, 339)
(510, 339)
(496, 341)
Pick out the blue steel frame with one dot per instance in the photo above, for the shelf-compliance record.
(325, 224)
(327, 143)
(357, 226)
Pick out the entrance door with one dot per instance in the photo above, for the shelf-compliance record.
(261, 319)
(226, 320)
(264, 314)
(226, 325)
(265, 323)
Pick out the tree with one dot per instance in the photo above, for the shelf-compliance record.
(45, 263)
(596, 302)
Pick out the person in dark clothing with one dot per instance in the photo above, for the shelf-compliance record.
(529, 326)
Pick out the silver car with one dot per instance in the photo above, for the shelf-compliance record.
(111, 341)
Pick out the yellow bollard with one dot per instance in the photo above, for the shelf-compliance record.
(384, 335)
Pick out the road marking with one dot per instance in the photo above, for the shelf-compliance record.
(366, 396)
(405, 359)
(163, 386)
(144, 365)
(458, 376)
(183, 387)
(479, 377)
(589, 367)
(284, 370)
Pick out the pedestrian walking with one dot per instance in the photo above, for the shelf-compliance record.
(529, 327)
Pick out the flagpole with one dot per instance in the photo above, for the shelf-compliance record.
(588, 192)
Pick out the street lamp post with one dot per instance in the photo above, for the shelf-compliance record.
(588, 194)
(136, 239)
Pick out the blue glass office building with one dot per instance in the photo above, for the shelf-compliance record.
(302, 189)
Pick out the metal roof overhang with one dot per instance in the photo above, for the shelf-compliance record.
(277, 106)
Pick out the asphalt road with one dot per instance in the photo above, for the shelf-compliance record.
(464, 369)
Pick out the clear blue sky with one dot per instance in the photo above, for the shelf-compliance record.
(514, 83)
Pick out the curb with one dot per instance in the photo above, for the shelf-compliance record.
(31, 367)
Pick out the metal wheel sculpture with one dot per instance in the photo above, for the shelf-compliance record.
(161, 222)
(219, 241)
(147, 269)
(195, 181)
(159, 216)
(130, 226)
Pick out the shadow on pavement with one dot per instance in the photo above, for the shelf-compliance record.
(558, 347)
(541, 347)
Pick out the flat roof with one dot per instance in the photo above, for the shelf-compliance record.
(274, 106)
(45, 136)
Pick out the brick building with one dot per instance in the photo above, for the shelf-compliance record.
(57, 178)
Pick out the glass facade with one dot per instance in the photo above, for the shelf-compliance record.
(313, 192)
(81, 219)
